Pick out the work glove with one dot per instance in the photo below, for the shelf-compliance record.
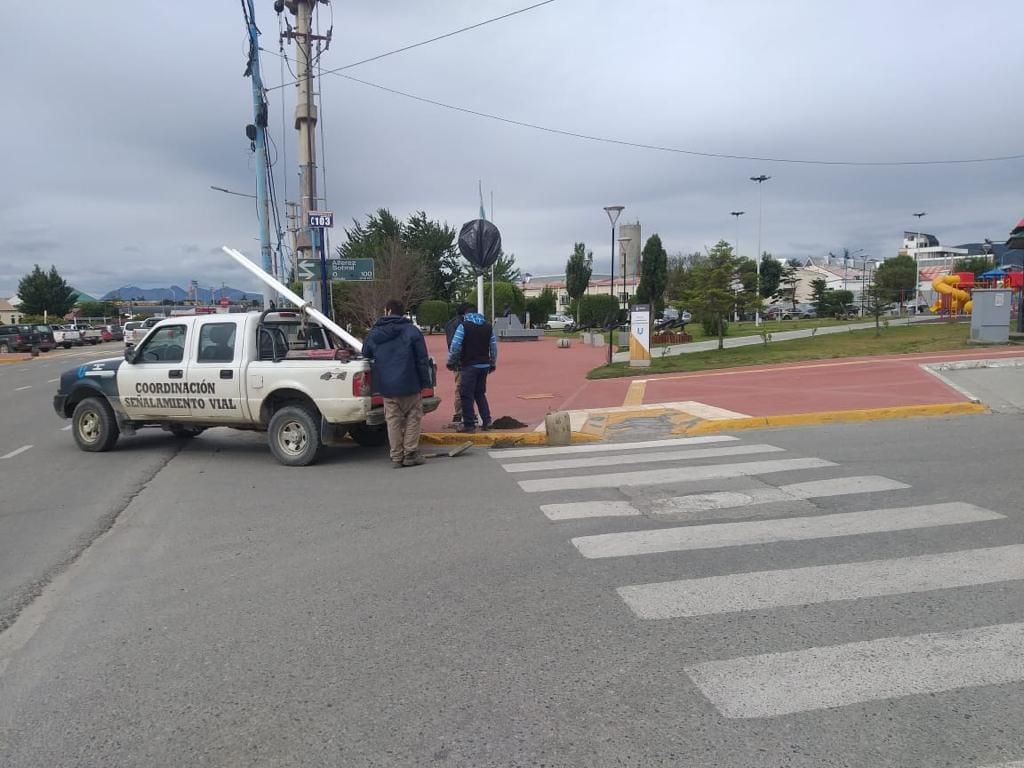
(494, 367)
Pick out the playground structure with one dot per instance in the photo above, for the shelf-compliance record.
(955, 290)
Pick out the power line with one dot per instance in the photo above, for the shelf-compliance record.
(405, 48)
(674, 150)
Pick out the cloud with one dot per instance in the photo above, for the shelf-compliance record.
(115, 168)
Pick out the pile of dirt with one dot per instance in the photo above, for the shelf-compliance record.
(507, 422)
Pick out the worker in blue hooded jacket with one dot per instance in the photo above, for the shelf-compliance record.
(401, 371)
(474, 351)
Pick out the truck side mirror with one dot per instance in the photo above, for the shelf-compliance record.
(129, 354)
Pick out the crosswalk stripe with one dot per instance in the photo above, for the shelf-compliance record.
(716, 535)
(581, 509)
(820, 584)
(522, 453)
(817, 678)
(708, 502)
(640, 458)
(673, 475)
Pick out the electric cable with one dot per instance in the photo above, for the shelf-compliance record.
(446, 35)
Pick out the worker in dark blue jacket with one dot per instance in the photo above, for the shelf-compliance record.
(474, 350)
(401, 371)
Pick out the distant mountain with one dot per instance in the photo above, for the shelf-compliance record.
(176, 293)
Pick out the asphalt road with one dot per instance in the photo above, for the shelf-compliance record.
(858, 604)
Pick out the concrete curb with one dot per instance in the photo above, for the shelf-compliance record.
(935, 370)
(498, 438)
(9, 361)
(834, 417)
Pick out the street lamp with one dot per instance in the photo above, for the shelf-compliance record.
(613, 212)
(757, 297)
(870, 282)
(737, 214)
(624, 247)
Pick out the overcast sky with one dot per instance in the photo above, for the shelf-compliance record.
(118, 122)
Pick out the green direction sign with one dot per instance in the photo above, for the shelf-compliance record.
(337, 269)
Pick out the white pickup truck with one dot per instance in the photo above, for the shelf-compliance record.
(136, 330)
(90, 335)
(65, 336)
(275, 371)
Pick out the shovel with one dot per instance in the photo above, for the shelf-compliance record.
(458, 450)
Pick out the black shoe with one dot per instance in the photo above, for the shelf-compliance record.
(396, 465)
(464, 428)
(414, 460)
(486, 426)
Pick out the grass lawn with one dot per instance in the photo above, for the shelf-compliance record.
(895, 340)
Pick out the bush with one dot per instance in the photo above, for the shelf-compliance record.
(597, 311)
(710, 326)
(505, 294)
(433, 314)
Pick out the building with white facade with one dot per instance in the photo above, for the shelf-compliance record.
(932, 259)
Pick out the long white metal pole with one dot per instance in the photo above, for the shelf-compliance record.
(294, 298)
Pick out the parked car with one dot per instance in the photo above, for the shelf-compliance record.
(136, 330)
(559, 323)
(90, 335)
(46, 337)
(18, 338)
(115, 331)
(802, 312)
(74, 335)
(62, 337)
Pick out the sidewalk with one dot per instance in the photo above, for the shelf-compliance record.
(534, 378)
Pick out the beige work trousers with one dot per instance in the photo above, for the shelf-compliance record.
(404, 417)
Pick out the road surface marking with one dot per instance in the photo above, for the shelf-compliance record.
(716, 535)
(522, 453)
(66, 429)
(708, 502)
(674, 475)
(16, 452)
(823, 584)
(817, 678)
(635, 392)
(27, 386)
(639, 458)
(50, 381)
(580, 509)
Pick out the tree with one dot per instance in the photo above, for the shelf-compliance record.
(505, 269)
(653, 274)
(505, 295)
(540, 307)
(899, 276)
(97, 309)
(578, 270)
(399, 273)
(432, 314)
(597, 311)
(879, 300)
(819, 296)
(45, 292)
(788, 283)
(711, 295)
(771, 275)
(975, 264)
(435, 243)
(678, 274)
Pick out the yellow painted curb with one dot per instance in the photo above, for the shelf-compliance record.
(498, 437)
(635, 392)
(832, 417)
(6, 361)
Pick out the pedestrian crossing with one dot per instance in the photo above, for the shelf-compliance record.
(800, 679)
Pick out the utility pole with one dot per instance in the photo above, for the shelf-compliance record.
(259, 139)
(305, 123)
(760, 209)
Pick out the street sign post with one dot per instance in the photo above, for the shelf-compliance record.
(353, 270)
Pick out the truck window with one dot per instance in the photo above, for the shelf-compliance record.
(216, 343)
(164, 345)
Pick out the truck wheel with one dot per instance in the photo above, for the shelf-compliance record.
(66, 346)
(94, 426)
(369, 437)
(187, 432)
(294, 435)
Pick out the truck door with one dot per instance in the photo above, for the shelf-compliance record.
(153, 385)
(215, 365)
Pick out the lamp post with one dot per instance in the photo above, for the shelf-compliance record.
(870, 282)
(757, 261)
(613, 212)
(737, 214)
(624, 247)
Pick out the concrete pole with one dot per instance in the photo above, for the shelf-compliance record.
(305, 124)
(259, 106)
